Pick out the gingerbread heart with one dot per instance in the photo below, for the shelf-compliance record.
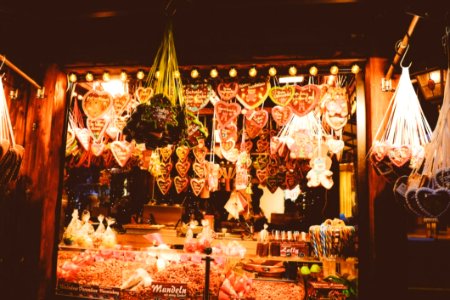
(197, 185)
(411, 202)
(166, 152)
(282, 95)
(337, 106)
(272, 183)
(281, 114)
(97, 148)
(228, 132)
(261, 162)
(335, 146)
(165, 169)
(199, 153)
(251, 129)
(226, 112)
(291, 180)
(274, 144)
(145, 160)
(144, 94)
(257, 118)
(182, 152)
(164, 184)
(433, 203)
(181, 183)
(96, 103)
(442, 178)
(83, 137)
(183, 167)
(305, 99)
(120, 103)
(199, 169)
(379, 150)
(97, 127)
(253, 95)
(121, 122)
(121, 151)
(246, 146)
(262, 174)
(227, 145)
(227, 91)
(262, 146)
(399, 155)
(196, 96)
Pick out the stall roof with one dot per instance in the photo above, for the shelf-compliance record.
(217, 31)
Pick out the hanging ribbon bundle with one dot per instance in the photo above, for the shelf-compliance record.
(11, 154)
(159, 119)
(428, 186)
(403, 134)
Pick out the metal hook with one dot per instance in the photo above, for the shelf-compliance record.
(403, 57)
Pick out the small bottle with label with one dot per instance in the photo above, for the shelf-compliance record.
(275, 245)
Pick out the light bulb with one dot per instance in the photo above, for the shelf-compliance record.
(233, 72)
(292, 70)
(272, 71)
(140, 75)
(252, 72)
(334, 70)
(73, 77)
(313, 70)
(194, 73)
(214, 73)
(355, 69)
(176, 74)
(106, 76)
(123, 76)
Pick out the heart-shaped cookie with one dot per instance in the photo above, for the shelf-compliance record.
(257, 118)
(144, 94)
(261, 162)
(380, 150)
(227, 145)
(226, 112)
(246, 146)
(120, 103)
(96, 103)
(262, 146)
(164, 184)
(442, 178)
(97, 127)
(282, 95)
(182, 152)
(262, 174)
(253, 95)
(399, 155)
(196, 96)
(112, 131)
(251, 129)
(199, 153)
(166, 152)
(197, 185)
(433, 203)
(411, 202)
(183, 167)
(165, 169)
(228, 132)
(274, 144)
(291, 180)
(121, 151)
(83, 137)
(121, 122)
(97, 148)
(272, 183)
(199, 169)
(281, 114)
(227, 91)
(335, 146)
(181, 183)
(305, 99)
(337, 106)
(145, 160)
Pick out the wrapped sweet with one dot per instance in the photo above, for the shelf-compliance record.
(109, 236)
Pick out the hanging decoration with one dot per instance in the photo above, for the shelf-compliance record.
(399, 143)
(428, 186)
(253, 95)
(228, 90)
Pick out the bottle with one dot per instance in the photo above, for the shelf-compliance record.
(275, 245)
(262, 247)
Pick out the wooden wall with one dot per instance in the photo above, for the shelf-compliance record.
(29, 208)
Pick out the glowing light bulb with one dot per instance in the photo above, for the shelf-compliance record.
(73, 77)
(313, 70)
(214, 73)
(140, 75)
(89, 76)
(252, 72)
(194, 73)
(272, 71)
(233, 72)
(334, 70)
(292, 71)
(106, 76)
(123, 76)
(355, 69)
(176, 74)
